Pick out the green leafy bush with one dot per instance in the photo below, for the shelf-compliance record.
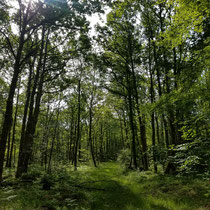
(124, 157)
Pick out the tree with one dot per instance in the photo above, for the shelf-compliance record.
(26, 29)
(124, 35)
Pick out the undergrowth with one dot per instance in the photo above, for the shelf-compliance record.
(110, 186)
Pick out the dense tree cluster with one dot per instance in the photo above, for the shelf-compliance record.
(138, 91)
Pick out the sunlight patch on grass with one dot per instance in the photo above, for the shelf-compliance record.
(108, 187)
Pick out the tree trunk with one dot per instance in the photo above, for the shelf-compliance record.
(27, 143)
(160, 91)
(14, 128)
(71, 138)
(78, 125)
(53, 140)
(131, 117)
(8, 149)
(152, 99)
(126, 128)
(46, 136)
(141, 119)
(90, 131)
(7, 122)
(101, 142)
(28, 95)
(157, 130)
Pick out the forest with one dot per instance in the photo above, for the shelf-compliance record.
(105, 104)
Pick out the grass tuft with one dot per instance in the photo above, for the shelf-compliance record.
(110, 186)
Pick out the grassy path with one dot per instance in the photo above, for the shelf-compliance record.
(108, 187)
(134, 190)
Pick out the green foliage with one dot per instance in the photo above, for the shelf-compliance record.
(188, 17)
(110, 186)
(4, 14)
(192, 158)
(164, 44)
(160, 152)
(124, 157)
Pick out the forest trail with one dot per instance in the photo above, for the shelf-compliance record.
(110, 186)
(87, 82)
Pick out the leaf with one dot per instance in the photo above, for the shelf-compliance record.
(9, 198)
(9, 191)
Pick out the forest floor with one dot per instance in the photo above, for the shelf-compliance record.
(110, 186)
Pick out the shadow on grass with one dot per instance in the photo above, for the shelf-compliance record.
(115, 191)
(114, 196)
(110, 186)
(132, 190)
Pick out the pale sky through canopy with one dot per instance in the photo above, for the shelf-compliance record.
(93, 19)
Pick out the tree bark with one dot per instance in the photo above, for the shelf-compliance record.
(90, 131)
(8, 149)
(14, 128)
(7, 122)
(53, 140)
(152, 99)
(78, 125)
(141, 119)
(27, 143)
(131, 117)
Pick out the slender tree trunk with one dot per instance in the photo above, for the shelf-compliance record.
(101, 142)
(122, 143)
(141, 119)
(14, 128)
(8, 149)
(28, 95)
(126, 128)
(160, 91)
(157, 130)
(152, 99)
(31, 125)
(46, 136)
(74, 140)
(90, 131)
(170, 111)
(7, 122)
(131, 117)
(71, 137)
(27, 143)
(78, 125)
(177, 111)
(53, 139)
(14, 155)
(80, 143)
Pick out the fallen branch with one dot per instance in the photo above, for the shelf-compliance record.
(90, 188)
(98, 181)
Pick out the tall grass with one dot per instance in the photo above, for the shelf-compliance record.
(110, 186)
